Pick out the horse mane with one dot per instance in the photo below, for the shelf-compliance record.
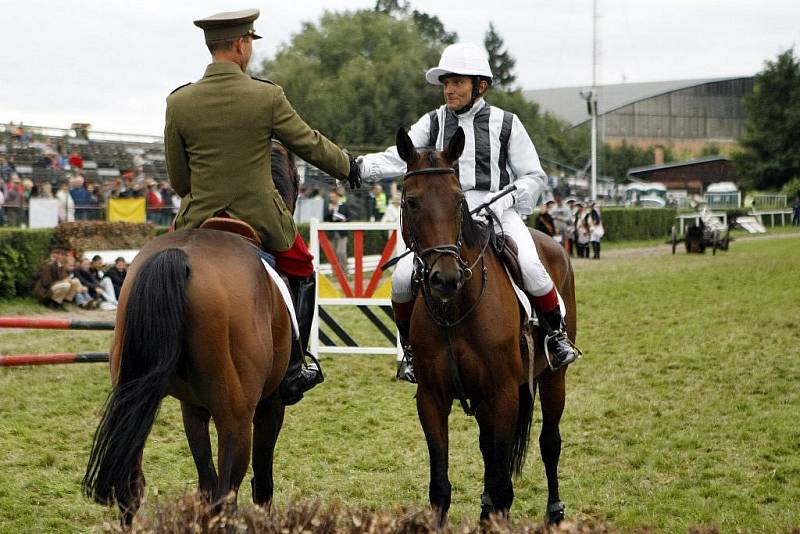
(473, 232)
(284, 174)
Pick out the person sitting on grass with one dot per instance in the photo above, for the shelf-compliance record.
(116, 274)
(96, 289)
(53, 285)
(98, 270)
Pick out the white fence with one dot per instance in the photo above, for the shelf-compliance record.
(356, 295)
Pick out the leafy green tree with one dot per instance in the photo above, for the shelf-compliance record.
(710, 149)
(429, 26)
(357, 76)
(500, 60)
(771, 153)
(618, 159)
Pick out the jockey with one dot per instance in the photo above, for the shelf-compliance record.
(498, 152)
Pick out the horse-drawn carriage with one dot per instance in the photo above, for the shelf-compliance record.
(709, 230)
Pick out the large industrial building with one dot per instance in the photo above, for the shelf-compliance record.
(684, 115)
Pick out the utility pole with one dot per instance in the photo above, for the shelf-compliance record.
(593, 100)
(590, 95)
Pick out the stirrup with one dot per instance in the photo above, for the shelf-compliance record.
(405, 369)
(315, 363)
(559, 365)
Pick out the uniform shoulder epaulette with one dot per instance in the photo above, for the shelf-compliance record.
(263, 80)
(180, 87)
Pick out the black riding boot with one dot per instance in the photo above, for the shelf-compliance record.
(595, 250)
(405, 371)
(561, 351)
(300, 377)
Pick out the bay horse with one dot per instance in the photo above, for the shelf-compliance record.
(200, 320)
(465, 334)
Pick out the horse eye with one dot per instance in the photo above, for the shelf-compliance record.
(412, 203)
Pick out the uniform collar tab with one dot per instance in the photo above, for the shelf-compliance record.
(223, 67)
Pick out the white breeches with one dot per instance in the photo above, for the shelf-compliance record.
(537, 281)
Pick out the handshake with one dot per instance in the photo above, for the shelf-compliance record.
(354, 178)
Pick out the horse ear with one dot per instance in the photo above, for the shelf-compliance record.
(455, 147)
(405, 147)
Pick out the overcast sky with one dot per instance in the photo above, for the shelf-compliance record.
(112, 62)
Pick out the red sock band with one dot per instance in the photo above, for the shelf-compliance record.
(402, 310)
(547, 302)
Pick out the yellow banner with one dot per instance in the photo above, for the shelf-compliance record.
(126, 210)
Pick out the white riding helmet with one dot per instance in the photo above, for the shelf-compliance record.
(463, 59)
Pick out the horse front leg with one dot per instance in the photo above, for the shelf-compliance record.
(552, 396)
(267, 425)
(433, 413)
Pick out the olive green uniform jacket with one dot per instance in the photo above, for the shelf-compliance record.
(218, 149)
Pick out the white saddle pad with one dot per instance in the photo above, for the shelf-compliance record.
(287, 296)
(526, 304)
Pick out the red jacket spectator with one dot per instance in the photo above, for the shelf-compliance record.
(75, 160)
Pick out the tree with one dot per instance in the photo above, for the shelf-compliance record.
(771, 153)
(357, 76)
(431, 28)
(500, 60)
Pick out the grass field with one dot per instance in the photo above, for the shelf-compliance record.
(684, 411)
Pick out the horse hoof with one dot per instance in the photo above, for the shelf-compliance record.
(487, 506)
(556, 512)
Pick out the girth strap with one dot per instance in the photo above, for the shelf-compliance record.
(466, 405)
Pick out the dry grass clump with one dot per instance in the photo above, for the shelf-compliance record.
(191, 514)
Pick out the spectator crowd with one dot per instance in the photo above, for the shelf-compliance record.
(576, 225)
(88, 283)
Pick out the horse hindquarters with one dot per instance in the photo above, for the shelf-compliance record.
(151, 345)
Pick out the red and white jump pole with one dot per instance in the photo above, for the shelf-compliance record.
(10, 360)
(54, 324)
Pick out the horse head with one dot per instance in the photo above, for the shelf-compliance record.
(432, 209)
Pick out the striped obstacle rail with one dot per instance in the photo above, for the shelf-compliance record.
(10, 360)
(355, 293)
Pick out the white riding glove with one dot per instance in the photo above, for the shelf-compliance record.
(501, 204)
(526, 195)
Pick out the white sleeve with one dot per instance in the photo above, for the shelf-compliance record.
(388, 163)
(524, 161)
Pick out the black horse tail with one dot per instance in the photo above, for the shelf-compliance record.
(151, 347)
(522, 433)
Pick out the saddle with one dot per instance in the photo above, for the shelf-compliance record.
(506, 249)
(226, 223)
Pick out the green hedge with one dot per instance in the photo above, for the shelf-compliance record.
(21, 254)
(632, 224)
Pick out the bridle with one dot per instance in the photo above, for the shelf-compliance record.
(423, 268)
(422, 272)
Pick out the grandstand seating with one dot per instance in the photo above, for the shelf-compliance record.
(103, 159)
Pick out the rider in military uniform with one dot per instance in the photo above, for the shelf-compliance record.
(218, 148)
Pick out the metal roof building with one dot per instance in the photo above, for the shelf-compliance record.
(684, 114)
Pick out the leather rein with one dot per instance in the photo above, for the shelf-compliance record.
(422, 273)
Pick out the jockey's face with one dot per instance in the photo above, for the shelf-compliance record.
(457, 91)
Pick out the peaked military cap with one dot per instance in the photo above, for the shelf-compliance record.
(229, 25)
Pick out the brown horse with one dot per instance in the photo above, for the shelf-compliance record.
(466, 335)
(200, 320)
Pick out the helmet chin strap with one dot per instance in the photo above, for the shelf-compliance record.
(476, 94)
